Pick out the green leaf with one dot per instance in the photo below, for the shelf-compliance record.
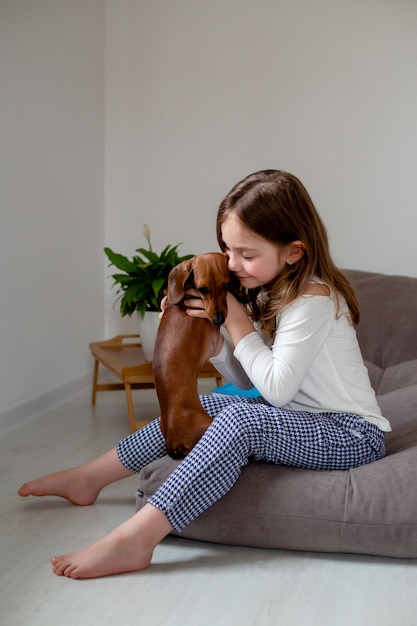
(123, 279)
(120, 261)
(149, 254)
(142, 309)
(158, 284)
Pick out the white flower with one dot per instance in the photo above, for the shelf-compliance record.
(147, 235)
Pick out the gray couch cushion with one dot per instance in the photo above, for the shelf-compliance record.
(368, 510)
(371, 509)
(399, 376)
(387, 331)
(400, 407)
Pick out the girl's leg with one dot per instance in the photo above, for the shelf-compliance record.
(213, 466)
(81, 485)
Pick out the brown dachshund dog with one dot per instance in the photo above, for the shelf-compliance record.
(183, 346)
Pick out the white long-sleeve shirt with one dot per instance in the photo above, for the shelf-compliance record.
(314, 363)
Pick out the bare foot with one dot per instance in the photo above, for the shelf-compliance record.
(129, 548)
(71, 484)
(80, 485)
(113, 554)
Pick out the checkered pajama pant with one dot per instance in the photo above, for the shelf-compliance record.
(245, 429)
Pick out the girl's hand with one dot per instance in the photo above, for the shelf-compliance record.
(237, 323)
(163, 306)
(195, 308)
(194, 304)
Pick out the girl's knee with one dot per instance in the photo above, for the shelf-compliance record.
(233, 417)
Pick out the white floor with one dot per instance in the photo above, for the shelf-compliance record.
(189, 583)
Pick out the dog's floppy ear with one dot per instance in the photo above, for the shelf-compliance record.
(177, 279)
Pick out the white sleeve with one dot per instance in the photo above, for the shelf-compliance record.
(278, 373)
(229, 367)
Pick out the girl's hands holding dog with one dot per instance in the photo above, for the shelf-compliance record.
(194, 304)
(192, 301)
(237, 322)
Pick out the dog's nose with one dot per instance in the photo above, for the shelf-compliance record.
(176, 454)
(218, 318)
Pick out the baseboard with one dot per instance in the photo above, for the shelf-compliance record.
(20, 414)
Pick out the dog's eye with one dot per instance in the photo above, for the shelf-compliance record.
(226, 286)
(203, 291)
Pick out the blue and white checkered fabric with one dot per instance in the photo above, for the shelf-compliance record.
(244, 429)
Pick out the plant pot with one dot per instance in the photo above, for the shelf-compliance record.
(148, 327)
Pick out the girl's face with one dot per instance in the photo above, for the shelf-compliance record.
(255, 260)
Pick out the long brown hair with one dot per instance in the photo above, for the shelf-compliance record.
(275, 205)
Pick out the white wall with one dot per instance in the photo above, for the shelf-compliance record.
(51, 200)
(200, 93)
(190, 96)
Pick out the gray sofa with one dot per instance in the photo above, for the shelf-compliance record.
(367, 510)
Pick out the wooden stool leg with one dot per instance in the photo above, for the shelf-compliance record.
(95, 379)
(130, 409)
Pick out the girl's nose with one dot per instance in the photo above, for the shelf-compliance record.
(232, 263)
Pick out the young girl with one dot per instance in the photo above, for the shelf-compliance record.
(293, 339)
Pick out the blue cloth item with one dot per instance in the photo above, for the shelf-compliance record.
(231, 390)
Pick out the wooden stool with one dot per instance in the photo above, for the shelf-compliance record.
(123, 357)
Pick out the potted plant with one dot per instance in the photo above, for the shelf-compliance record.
(141, 284)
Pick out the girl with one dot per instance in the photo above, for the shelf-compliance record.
(293, 339)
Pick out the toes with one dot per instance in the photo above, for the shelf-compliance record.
(64, 566)
(60, 564)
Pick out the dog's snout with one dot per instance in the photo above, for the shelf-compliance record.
(218, 318)
(176, 454)
(178, 450)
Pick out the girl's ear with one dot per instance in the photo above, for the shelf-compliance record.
(295, 252)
